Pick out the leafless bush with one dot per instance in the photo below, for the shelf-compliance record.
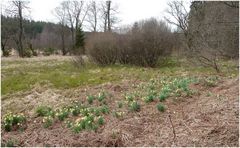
(124, 48)
(149, 41)
(102, 48)
(146, 43)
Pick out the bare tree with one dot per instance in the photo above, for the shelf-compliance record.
(61, 12)
(108, 3)
(207, 29)
(16, 9)
(232, 4)
(214, 32)
(92, 17)
(70, 19)
(76, 13)
(109, 15)
(179, 13)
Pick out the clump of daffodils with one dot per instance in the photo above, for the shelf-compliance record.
(47, 121)
(134, 106)
(11, 120)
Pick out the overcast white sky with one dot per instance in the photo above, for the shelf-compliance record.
(130, 10)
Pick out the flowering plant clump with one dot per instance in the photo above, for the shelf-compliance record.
(149, 98)
(68, 123)
(175, 87)
(86, 122)
(210, 81)
(100, 120)
(118, 114)
(134, 106)
(11, 120)
(129, 98)
(101, 96)
(47, 121)
(44, 111)
(97, 112)
(75, 110)
(62, 114)
(85, 111)
(161, 107)
(90, 99)
(163, 96)
(104, 109)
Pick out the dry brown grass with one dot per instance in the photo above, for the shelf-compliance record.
(198, 121)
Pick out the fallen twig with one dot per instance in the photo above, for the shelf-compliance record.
(174, 133)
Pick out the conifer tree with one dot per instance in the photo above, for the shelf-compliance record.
(80, 37)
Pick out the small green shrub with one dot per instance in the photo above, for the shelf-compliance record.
(79, 126)
(85, 111)
(75, 110)
(97, 112)
(62, 114)
(120, 104)
(104, 109)
(176, 87)
(149, 98)
(90, 99)
(161, 107)
(44, 111)
(11, 120)
(210, 81)
(129, 98)
(101, 96)
(47, 121)
(69, 124)
(163, 96)
(134, 106)
(86, 122)
(100, 120)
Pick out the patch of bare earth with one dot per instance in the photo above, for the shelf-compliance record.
(200, 120)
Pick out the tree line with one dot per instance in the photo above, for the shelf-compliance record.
(205, 34)
(72, 16)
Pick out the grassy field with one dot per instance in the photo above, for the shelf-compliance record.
(23, 74)
(132, 105)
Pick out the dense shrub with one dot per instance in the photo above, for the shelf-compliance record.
(144, 44)
(102, 48)
(150, 40)
(124, 48)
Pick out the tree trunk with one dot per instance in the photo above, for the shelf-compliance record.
(64, 52)
(108, 15)
(72, 34)
(20, 45)
(95, 18)
(105, 22)
(3, 47)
